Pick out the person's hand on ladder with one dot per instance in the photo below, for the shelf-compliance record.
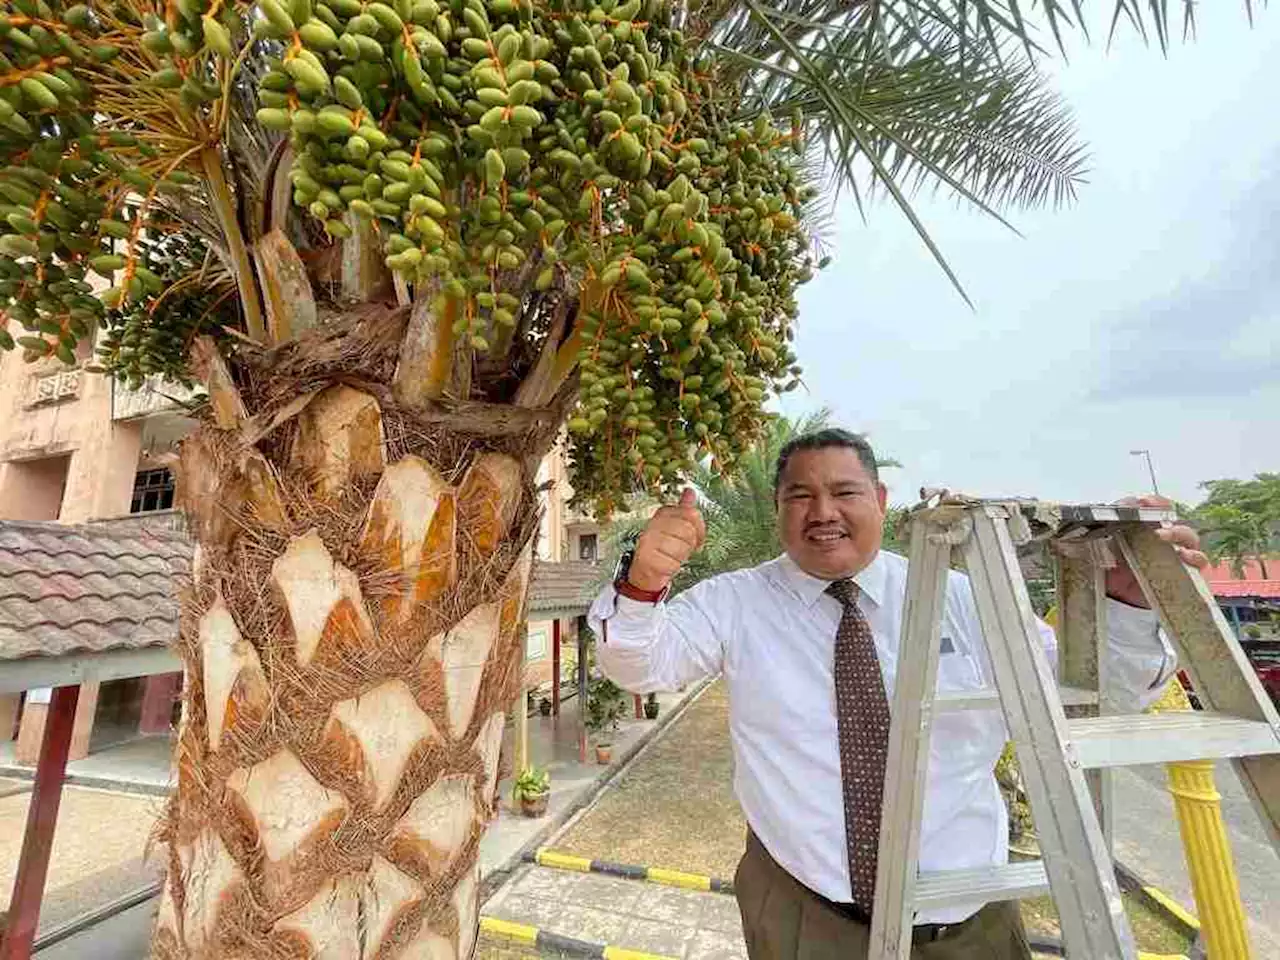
(1122, 585)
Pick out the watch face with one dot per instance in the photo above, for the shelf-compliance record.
(624, 566)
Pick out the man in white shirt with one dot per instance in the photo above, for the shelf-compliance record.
(808, 717)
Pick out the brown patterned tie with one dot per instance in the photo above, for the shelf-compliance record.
(862, 715)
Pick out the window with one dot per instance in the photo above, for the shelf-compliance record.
(33, 489)
(587, 547)
(152, 490)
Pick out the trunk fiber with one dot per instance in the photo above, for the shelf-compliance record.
(351, 636)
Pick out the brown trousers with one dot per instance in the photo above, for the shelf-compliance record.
(784, 920)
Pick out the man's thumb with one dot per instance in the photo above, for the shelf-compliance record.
(688, 498)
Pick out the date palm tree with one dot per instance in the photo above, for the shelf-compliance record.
(402, 244)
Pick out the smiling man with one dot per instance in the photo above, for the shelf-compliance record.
(808, 647)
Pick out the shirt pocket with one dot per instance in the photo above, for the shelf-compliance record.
(957, 666)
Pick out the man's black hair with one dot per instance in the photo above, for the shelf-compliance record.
(821, 440)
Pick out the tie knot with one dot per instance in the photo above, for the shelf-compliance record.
(846, 591)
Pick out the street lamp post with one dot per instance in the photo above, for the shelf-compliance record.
(1150, 469)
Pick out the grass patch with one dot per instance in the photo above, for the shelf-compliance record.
(1153, 932)
(675, 807)
(489, 947)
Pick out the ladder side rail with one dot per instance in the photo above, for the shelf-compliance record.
(1080, 872)
(1223, 676)
(1082, 635)
(915, 683)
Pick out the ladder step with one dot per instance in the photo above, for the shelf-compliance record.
(1013, 881)
(1129, 740)
(988, 699)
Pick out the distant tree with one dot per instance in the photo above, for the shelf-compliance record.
(1240, 520)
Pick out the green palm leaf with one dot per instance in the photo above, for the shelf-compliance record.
(899, 95)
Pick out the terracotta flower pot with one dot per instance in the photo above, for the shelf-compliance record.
(604, 753)
(536, 805)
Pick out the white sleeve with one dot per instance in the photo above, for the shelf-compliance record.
(1140, 659)
(646, 647)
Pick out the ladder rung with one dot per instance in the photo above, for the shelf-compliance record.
(1012, 881)
(987, 699)
(1129, 740)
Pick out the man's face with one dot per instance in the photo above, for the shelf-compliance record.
(830, 512)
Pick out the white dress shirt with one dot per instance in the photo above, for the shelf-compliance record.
(771, 631)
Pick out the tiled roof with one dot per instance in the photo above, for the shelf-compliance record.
(85, 589)
(1261, 589)
(1251, 568)
(109, 586)
(1224, 582)
(564, 586)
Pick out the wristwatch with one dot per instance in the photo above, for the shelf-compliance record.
(628, 589)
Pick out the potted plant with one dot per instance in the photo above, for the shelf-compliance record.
(532, 791)
(651, 707)
(606, 705)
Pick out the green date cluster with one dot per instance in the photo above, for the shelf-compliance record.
(509, 158)
(504, 150)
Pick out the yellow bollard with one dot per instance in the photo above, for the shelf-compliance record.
(1204, 843)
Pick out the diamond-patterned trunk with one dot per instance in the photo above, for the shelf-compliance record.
(352, 641)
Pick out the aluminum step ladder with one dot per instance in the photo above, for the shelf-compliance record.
(1067, 736)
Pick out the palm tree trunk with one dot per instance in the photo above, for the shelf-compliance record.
(351, 640)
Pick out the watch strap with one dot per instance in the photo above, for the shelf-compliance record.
(629, 590)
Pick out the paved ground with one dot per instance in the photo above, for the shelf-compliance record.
(125, 937)
(627, 913)
(1147, 841)
(97, 849)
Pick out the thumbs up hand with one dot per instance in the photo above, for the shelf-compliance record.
(670, 537)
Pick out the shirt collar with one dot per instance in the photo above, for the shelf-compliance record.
(870, 580)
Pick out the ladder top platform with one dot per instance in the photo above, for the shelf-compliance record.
(1047, 517)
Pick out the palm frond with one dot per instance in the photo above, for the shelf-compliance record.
(897, 95)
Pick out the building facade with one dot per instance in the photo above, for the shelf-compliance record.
(77, 447)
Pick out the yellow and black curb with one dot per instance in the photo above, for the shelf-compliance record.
(531, 936)
(671, 878)
(1158, 900)
(553, 859)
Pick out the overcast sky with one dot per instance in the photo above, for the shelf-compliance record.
(1144, 316)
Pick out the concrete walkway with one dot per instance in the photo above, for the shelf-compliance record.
(1148, 842)
(140, 764)
(632, 914)
(125, 936)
